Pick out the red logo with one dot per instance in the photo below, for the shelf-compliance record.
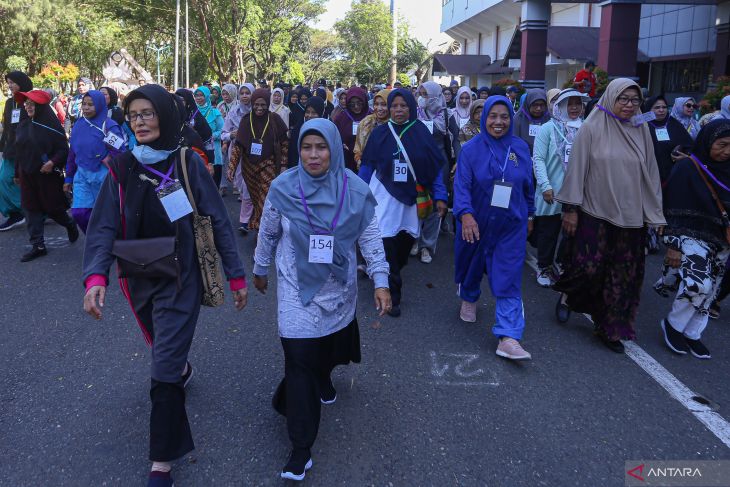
(637, 472)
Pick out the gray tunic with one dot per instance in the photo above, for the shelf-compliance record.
(333, 307)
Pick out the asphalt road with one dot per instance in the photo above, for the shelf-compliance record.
(431, 404)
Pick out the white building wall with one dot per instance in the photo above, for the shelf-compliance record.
(677, 30)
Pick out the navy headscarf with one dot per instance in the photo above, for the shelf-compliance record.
(382, 148)
(323, 194)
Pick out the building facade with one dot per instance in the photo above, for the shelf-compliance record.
(673, 48)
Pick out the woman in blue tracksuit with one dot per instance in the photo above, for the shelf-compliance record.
(95, 140)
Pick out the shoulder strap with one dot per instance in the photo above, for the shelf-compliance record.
(184, 164)
(403, 150)
(712, 191)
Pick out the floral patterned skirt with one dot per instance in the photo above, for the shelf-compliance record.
(604, 272)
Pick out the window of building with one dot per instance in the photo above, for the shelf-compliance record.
(686, 76)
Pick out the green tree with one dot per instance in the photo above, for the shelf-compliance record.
(16, 63)
(367, 37)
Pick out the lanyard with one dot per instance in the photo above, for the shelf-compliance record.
(503, 168)
(347, 112)
(707, 171)
(253, 134)
(529, 117)
(603, 109)
(97, 128)
(166, 179)
(49, 128)
(339, 208)
(410, 124)
(194, 113)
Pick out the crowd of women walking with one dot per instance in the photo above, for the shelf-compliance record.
(338, 182)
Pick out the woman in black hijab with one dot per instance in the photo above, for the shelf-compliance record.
(315, 108)
(13, 114)
(198, 122)
(112, 104)
(131, 208)
(697, 235)
(41, 151)
(666, 133)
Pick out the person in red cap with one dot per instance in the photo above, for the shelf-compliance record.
(41, 152)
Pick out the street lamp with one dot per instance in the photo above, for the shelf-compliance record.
(159, 48)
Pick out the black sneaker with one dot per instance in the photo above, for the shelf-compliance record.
(35, 252)
(160, 479)
(675, 340)
(328, 394)
(14, 220)
(73, 232)
(296, 468)
(562, 311)
(394, 311)
(188, 376)
(698, 348)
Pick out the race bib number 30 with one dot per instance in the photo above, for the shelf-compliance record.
(400, 171)
(321, 249)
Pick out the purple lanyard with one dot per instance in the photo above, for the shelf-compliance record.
(603, 109)
(707, 171)
(337, 214)
(347, 112)
(192, 119)
(529, 117)
(166, 179)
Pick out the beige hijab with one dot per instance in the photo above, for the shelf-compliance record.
(612, 172)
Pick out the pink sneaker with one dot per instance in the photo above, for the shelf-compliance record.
(511, 349)
(468, 312)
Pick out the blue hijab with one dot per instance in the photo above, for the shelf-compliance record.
(496, 148)
(382, 148)
(207, 109)
(323, 195)
(87, 137)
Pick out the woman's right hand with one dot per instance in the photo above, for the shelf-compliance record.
(90, 301)
(570, 223)
(673, 258)
(261, 283)
(469, 228)
(548, 196)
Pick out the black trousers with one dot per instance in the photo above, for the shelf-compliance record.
(547, 231)
(36, 219)
(396, 253)
(308, 363)
(170, 435)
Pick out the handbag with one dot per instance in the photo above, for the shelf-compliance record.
(207, 254)
(147, 257)
(424, 202)
(723, 212)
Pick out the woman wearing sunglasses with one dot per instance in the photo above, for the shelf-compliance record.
(684, 111)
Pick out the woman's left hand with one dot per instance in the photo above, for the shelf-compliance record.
(47, 167)
(441, 208)
(530, 226)
(383, 302)
(240, 298)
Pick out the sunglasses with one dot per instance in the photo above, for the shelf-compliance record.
(691, 105)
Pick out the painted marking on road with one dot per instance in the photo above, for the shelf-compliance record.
(460, 369)
(713, 421)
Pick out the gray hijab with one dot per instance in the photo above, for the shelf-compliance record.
(323, 195)
(523, 119)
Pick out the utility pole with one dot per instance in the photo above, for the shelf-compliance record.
(158, 48)
(187, 48)
(394, 51)
(177, 45)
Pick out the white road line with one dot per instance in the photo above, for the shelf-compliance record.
(713, 421)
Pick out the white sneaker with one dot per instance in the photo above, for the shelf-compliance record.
(414, 249)
(426, 256)
(544, 279)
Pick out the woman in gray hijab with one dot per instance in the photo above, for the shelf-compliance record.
(314, 215)
(531, 116)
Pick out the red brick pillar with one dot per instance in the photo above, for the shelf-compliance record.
(534, 26)
(618, 43)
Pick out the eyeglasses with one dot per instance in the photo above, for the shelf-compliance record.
(134, 117)
(691, 105)
(625, 100)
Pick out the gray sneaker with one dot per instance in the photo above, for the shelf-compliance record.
(511, 349)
